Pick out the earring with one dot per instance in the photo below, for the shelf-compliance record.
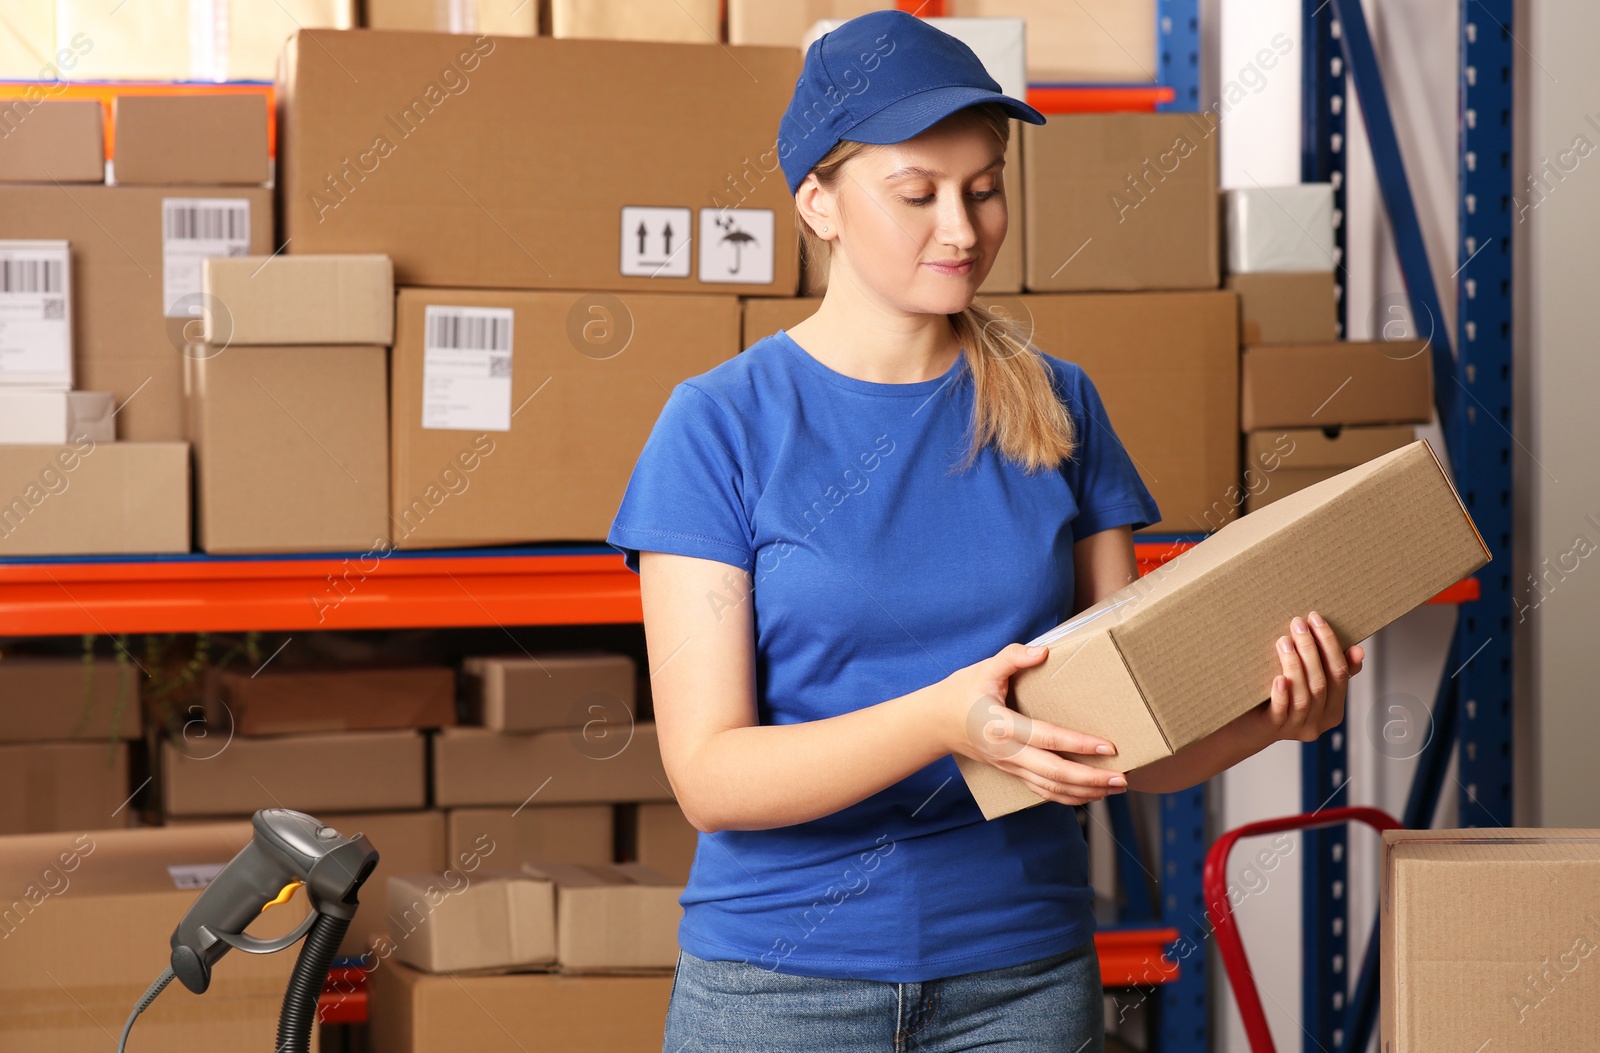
(824, 230)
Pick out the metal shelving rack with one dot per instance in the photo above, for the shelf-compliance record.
(588, 585)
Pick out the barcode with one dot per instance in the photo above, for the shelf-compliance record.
(469, 333)
(208, 223)
(31, 276)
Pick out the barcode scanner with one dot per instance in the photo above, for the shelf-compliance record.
(289, 850)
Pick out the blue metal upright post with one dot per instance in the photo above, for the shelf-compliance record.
(1178, 52)
(1479, 435)
(1324, 763)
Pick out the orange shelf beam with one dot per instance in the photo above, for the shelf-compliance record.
(448, 590)
(222, 595)
(1135, 957)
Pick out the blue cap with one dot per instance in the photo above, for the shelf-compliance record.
(881, 78)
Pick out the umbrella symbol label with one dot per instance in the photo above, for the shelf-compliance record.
(655, 242)
(736, 245)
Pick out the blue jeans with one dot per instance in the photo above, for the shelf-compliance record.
(1051, 1005)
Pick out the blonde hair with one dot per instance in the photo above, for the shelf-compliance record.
(1015, 407)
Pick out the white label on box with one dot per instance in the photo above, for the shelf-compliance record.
(466, 368)
(194, 229)
(656, 242)
(736, 245)
(194, 875)
(35, 333)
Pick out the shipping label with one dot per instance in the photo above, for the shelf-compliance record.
(194, 229)
(194, 875)
(466, 368)
(35, 320)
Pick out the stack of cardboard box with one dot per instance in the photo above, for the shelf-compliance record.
(66, 726)
(552, 260)
(345, 744)
(1311, 404)
(189, 185)
(287, 404)
(559, 765)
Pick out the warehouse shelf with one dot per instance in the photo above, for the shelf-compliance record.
(105, 93)
(446, 588)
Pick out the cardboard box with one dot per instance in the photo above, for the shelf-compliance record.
(1166, 366)
(785, 25)
(199, 140)
(1486, 939)
(454, 16)
(1086, 41)
(1152, 668)
(1323, 385)
(666, 840)
(41, 416)
(288, 701)
(475, 766)
(1280, 462)
(620, 916)
(494, 919)
(423, 1013)
(574, 833)
(53, 140)
(134, 290)
(68, 698)
(407, 842)
(547, 691)
(479, 461)
(47, 786)
(1120, 201)
(298, 300)
(1299, 307)
(427, 147)
(1281, 228)
(36, 314)
(173, 40)
(88, 498)
(351, 771)
(290, 447)
(689, 22)
(764, 316)
(87, 922)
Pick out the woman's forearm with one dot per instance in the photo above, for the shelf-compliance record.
(1245, 736)
(771, 775)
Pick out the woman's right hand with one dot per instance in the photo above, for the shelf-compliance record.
(981, 726)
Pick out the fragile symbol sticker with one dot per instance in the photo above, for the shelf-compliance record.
(655, 242)
(736, 245)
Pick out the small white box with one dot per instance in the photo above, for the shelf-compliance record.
(1000, 44)
(35, 314)
(1281, 228)
(30, 416)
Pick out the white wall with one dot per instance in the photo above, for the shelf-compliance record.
(1557, 372)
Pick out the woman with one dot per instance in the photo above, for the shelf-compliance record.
(835, 531)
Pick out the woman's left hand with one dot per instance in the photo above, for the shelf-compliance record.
(1308, 698)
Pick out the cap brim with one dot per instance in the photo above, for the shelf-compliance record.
(914, 114)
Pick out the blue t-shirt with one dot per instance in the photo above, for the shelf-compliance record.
(877, 572)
